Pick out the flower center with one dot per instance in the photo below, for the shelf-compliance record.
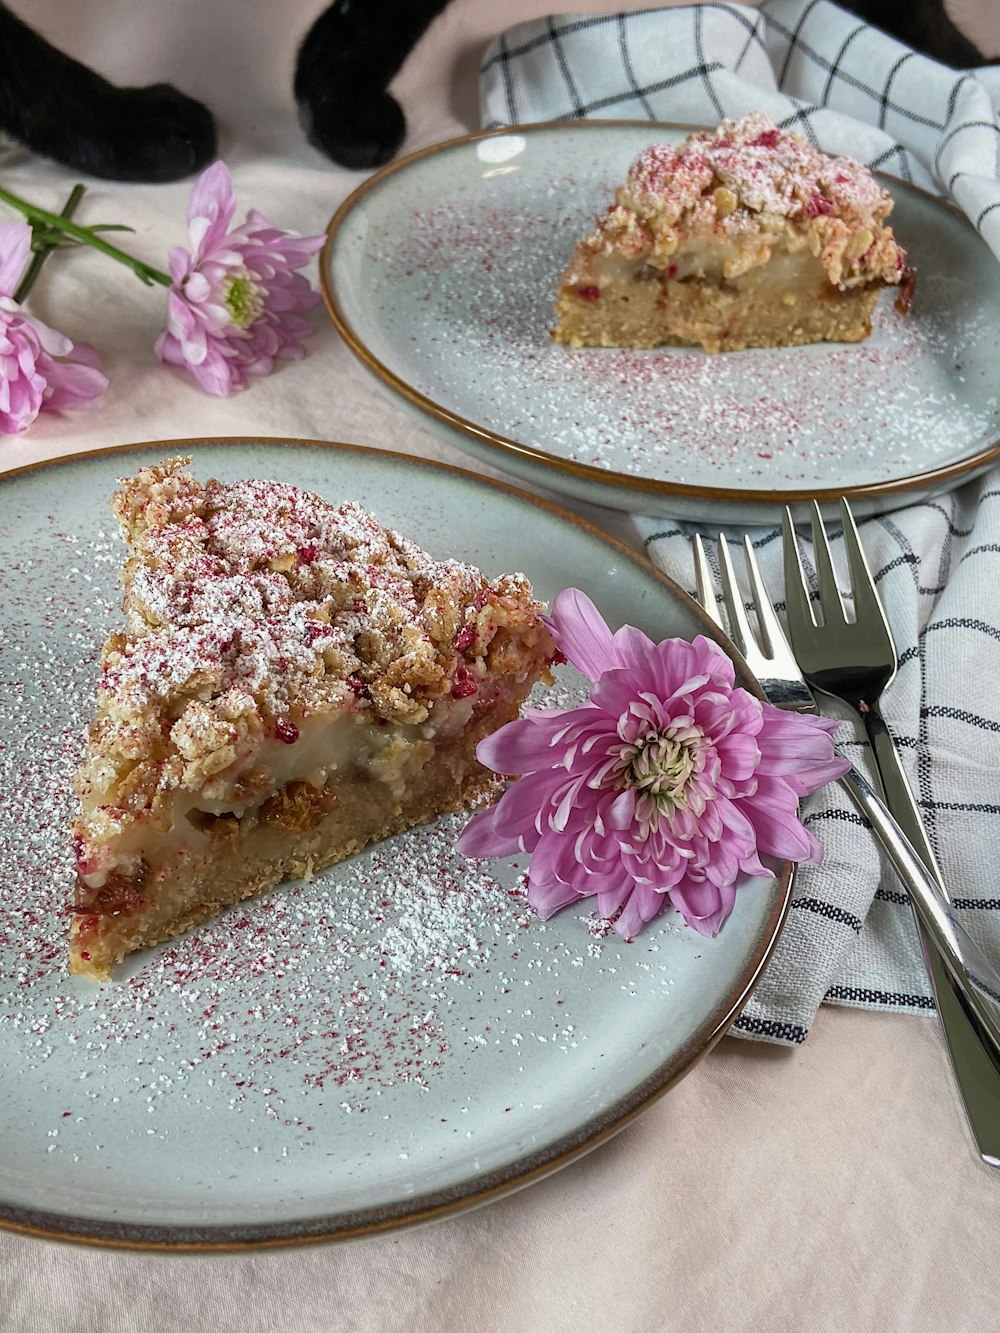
(244, 299)
(660, 766)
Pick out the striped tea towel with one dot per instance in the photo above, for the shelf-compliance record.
(850, 937)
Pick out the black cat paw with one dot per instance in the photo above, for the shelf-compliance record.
(357, 135)
(347, 60)
(151, 134)
(62, 109)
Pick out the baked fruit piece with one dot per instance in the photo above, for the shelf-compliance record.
(745, 236)
(293, 681)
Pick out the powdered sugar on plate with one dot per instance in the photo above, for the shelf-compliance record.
(319, 999)
(446, 273)
(401, 1027)
(341, 982)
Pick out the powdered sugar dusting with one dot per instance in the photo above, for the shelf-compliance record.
(399, 1011)
(264, 586)
(465, 320)
(771, 170)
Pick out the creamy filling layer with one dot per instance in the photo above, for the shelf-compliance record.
(325, 750)
(796, 272)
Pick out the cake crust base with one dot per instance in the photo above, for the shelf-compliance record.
(293, 839)
(719, 318)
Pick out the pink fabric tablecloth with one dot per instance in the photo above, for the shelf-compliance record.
(827, 1188)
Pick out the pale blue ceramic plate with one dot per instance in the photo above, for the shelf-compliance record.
(440, 272)
(395, 1040)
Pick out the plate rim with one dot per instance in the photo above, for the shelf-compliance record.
(526, 1169)
(503, 449)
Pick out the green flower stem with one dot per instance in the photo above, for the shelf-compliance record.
(43, 244)
(86, 236)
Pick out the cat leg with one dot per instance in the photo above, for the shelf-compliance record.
(345, 64)
(61, 109)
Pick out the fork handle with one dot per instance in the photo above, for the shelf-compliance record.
(899, 795)
(970, 1040)
(960, 952)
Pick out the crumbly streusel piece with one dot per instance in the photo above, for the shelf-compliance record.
(745, 236)
(293, 681)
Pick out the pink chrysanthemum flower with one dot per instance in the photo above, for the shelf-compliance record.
(666, 786)
(40, 369)
(234, 307)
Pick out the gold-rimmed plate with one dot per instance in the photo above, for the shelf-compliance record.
(394, 1041)
(439, 272)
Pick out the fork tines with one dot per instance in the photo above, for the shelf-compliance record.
(762, 648)
(867, 603)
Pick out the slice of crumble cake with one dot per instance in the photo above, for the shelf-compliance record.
(293, 681)
(745, 236)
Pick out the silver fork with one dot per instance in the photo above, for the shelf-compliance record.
(855, 660)
(852, 660)
(969, 996)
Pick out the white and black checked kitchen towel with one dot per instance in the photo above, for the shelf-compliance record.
(814, 67)
(809, 64)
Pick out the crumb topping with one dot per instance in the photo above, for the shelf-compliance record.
(251, 606)
(750, 182)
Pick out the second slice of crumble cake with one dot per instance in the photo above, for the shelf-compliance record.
(293, 682)
(745, 236)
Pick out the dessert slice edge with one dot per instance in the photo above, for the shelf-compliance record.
(294, 682)
(741, 237)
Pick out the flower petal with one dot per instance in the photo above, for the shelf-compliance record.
(526, 744)
(670, 782)
(774, 815)
(642, 905)
(41, 370)
(705, 907)
(547, 899)
(235, 305)
(581, 632)
(15, 247)
(480, 838)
